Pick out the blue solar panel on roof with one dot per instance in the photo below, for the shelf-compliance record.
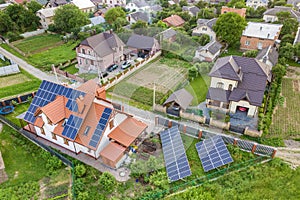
(176, 162)
(100, 127)
(72, 126)
(47, 93)
(213, 153)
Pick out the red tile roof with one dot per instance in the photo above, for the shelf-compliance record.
(39, 122)
(174, 20)
(112, 151)
(56, 110)
(127, 131)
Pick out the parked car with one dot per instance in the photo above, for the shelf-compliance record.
(103, 74)
(112, 67)
(126, 64)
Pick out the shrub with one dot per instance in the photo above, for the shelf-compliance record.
(13, 36)
(80, 170)
(107, 182)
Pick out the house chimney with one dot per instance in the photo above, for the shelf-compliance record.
(261, 28)
(100, 93)
(80, 104)
(268, 35)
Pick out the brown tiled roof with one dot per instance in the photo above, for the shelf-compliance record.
(39, 122)
(127, 131)
(56, 110)
(112, 151)
(89, 87)
(174, 20)
(59, 128)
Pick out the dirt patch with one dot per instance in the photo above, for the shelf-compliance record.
(165, 78)
(290, 153)
(13, 80)
(293, 72)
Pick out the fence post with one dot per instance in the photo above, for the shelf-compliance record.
(200, 134)
(274, 153)
(32, 93)
(235, 142)
(184, 128)
(3, 103)
(253, 148)
(19, 99)
(169, 123)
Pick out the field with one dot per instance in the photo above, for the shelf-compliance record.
(16, 84)
(286, 116)
(167, 74)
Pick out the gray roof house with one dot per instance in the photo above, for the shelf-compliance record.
(205, 26)
(270, 14)
(297, 38)
(143, 43)
(138, 5)
(192, 10)
(55, 3)
(169, 35)
(238, 82)
(181, 97)
(209, 52)
(295, 3)
(138, 15)
(256, 3)
(268, 55)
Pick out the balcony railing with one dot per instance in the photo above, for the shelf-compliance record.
(86, 56)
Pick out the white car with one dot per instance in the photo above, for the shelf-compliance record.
(126, 64)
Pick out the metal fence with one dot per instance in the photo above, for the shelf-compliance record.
(249, 146)
(18, 99)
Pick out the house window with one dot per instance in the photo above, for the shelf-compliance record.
(86, 61)
(247, 43)
(220, 85)
(42, 131)
(89, 52)
(80, 62)
(83, 51)
(53, 136)
(86, 131)
(259, 45)
(230, 87)
(204, 29)
(66, 142)
(92, 62)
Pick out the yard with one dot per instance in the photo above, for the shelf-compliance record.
(4, 63)
(198, 88)
(16, 84)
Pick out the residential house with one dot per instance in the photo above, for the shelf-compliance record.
(85, 6)
(97, 20)
(174, 20)
(46, 16)
(240, 11)
(259, 35)
(109, 3)
(143, 45)
(192, 10)
(209, 52)
(96, 53)
(268, 55)
(256, 3)
(55, 3)
(178, 102)
(138, 5)
(295, 3)
(205, 26)
(80, 120)
(270, 14)
(138, 15)
(167, 35)
(155, 8)
(238, 83)
(217, 1)
(19, 1)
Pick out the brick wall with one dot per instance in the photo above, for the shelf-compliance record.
(254, 42)
(241, 12)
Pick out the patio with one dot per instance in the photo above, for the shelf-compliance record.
(240, 119)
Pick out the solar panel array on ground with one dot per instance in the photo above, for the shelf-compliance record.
(10, 69)
(213, 153)
(174, 154)
(100, 127)
(47, 93)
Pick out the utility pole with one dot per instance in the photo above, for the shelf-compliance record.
(153, 96)
(54, 70)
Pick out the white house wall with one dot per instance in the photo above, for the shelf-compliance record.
(121, 161)
(252, 109)
(104, 141)
(226, 82)
(205, 30)
(270, 18)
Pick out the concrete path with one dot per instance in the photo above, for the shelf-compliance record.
(29, 68)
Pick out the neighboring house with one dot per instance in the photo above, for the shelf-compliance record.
(297, 38)
(217, 1)
(256, 3)
(138, 15)
(268, 55)
(205, 26)
(46, 16)
(259, 35)
(80, 120)
(238, 83)
(178, 102)
(295, 3)
(142, 45)
(209, 52)
(97, 20)
(192, 10)
(155, 8)
(55, 3)
(270, 14)
(167, 35)
(109, 3)
(174, 20)
(19, 1)
(138, 5)
(84, 5)
(4, 5)
(96, 53)
(240, 11)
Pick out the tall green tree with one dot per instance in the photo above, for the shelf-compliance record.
(229, 27)
(68, 18)
(33, 6)
(290, 26)
(283, 16)
(6, 24)
(112, 14)
(237, 4)
(286, 51)
(139, 24)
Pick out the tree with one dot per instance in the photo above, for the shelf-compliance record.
(286, 51)
(112, 14)
(288, 38)
(139, 24)
(229, 27)
(80, 170)
(206, 13)
(6, 24)
(119, 23)
(237, 4)
(251, 53)
(107, 182)
(290, 26)
(203, 39)
(159, 179)
(161, 24)
(183, 3)
(283, 16)
(297, 50)
(67, 18)
(33, 6)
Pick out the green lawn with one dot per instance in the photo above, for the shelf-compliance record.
(232, 51)
(20, 108)
(198, 88)
(4, 63)
(31, 84)
(37, 43)
(293, 63)
(71, 69)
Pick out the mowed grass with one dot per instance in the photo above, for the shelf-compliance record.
(9, 86)
(71, 69)
(198, 88)
(232, 51)
(19, 109)
(4, 63)
(285, 122)
(35, 43)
